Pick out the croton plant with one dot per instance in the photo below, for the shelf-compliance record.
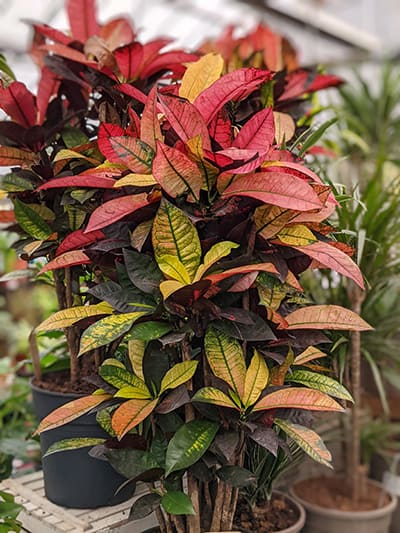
(169, 195)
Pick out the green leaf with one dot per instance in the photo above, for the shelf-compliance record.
(107, 330)
(225, 357)
(307, 439)
(31, 222)
(103, 418)
(257, 376)
(128, 391)
(178, 374)
(136, 351)
(14, 182)
(174, 234)
(120, 377)
(215, 397)
(188, 444)
(144, 506)
(130, 462)
(237, 476)
(177, 503)
(316, 135)
(72, 444)
(320, 382)
(6, 70)
(148, 331)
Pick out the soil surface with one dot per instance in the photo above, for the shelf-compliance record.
(334, 493)
(279, 514)
(60, 382)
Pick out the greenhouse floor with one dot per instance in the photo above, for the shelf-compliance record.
(42, 516)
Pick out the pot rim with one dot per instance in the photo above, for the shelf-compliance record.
(40, 390)
(349, 515)
(302, 513)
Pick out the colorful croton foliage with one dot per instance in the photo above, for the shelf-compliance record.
(169, 194)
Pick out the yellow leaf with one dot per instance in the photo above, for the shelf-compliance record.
(173, 269)
(169, 287)
(71, 154)
(200, 75)
(310, 354)
(67, 317)
(271, 219)
(136, 180)
(271, 297)
(129, 391)
(326, 317)
(214, 254)
(178, 374)
(214, 396)
(256, 379)
(225, 357)
(284, 127)
(136, 349)
(297, 235)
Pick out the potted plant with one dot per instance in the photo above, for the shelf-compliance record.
(86, 76)
(216, 342)
(369, 215)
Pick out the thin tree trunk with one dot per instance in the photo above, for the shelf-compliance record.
(71, 336)
(34, 351)
(357, 297)
(219, 501)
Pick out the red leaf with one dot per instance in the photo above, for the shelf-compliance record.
(185, 119)
(69, 53)
(131, 152)
(175, 172)
(275, 188)
(48, 87)
(295, 169)
(131, 91)
(259, 267)
(242, 161)
(333, 258)
(68, 259)
(303, 81)
(117, 32)
(150, 130)
(106, 131)
(51, 33)
(151, 49)
(7, 216)
(82, 19)
(258, 133)
(10, 157)
(324, 81)
(89, 181)
(78, 239)
(233, 86)
(167, 61)
(129, 59)
(19, 103)
(116, 209)
(221, 129)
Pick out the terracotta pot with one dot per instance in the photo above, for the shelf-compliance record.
(323, 520)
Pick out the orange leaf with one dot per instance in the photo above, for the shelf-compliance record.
(67, 259)
(299, 398)
(69, 411)
(130, 414)
(326, 317)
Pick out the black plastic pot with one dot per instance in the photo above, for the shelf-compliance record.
(74, 478)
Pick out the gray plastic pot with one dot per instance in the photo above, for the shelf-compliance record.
(74, 478)
(323, 520)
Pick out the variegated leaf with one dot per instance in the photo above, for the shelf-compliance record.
(173, 269)
(215, 397)
(256, 379)
(317, 381)
(307, 439)
(296, 235)
(299, 398)
(326, 317)
(309, 354)
(215, 253)
(225, 357)
(68, 317)
(76, 443)
(130, 414)
(107, 330)
(178, 374)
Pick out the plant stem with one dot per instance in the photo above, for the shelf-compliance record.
(71, 337)
(34, 351)
(356, 298)
(219, 501)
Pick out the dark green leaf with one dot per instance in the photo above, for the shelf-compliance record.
(259, 331)
(18, 182)
(189, 443)
(236, 476)
(315, 136)
(131, 463)
(73, 137)
(143, 271)
(123, 299)
(144, 506)
(148, 331)
(176, 502)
